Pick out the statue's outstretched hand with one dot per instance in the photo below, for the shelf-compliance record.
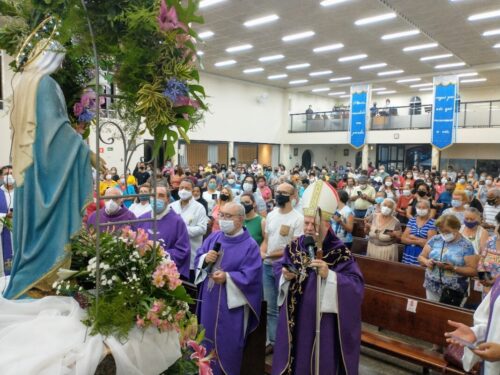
(102, 162)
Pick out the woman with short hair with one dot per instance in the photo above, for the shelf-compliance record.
(472, 229)
(254, 223)
(458, 201)
(384, 231)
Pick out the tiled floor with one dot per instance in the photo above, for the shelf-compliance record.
(375, 363)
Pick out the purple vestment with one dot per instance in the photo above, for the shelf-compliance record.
(123, 214)
(5, 237)
(225, 327)
(172, 230)
(340, 333)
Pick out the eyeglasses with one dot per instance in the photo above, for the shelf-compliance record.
(286, 193)
(223, 215)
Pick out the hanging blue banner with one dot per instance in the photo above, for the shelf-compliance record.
(444, 112)
(357, 118)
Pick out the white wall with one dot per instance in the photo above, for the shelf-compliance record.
(5, 134)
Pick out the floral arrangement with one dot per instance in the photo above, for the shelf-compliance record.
(84, 111)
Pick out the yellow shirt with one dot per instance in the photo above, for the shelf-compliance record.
(459, 186)
(104, 185)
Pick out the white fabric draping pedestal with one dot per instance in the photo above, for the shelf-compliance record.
(46, 337)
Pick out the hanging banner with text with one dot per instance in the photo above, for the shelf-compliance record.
(444, 111)
(360, 95)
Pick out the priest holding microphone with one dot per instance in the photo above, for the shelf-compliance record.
(332, 312)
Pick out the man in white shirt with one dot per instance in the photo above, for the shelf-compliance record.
(491, 209)
(283, 225)
(194, 215)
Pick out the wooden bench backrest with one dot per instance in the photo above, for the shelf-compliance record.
(388, 310)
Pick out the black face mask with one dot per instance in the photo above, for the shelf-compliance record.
(248, 207)
(224, 197)
(282, 200)
(422, 193)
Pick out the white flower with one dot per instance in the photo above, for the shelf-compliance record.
(63, 274)
(92, 261)
(114, 278)
(106, 266)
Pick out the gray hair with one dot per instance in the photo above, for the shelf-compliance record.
(473, 210)
(239, 206)
(389, 200)
(426, 202)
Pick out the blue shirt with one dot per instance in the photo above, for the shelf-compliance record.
(445, 197)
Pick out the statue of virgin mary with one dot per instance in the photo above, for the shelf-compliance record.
(52, 167)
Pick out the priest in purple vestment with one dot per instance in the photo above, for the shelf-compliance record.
(114, 211)
(171, 230)
(6, 212)
(341, 296)
(229, 271)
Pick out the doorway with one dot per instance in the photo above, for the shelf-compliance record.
(306, 159)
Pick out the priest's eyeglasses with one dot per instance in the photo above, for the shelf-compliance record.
(223, 215)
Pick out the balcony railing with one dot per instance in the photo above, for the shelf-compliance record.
(481, 114)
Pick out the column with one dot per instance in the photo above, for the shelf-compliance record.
(175, 158)
(436, 154)
(364, 157)
(230, 151)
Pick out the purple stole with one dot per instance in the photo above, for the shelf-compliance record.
(5, 237)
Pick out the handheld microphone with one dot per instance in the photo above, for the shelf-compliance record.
(309, 244)
(216, 248)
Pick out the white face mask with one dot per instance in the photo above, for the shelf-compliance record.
(422, 212)
(9, 180)
(230, 181)
(488, 182)
(406, 193)
(111, 207)
(444, 180)
(108, 177)
(122, 180)
(247, 187)
(185, 194)
(386, 211)
(448, 237)
(388, 183)
(226, 226)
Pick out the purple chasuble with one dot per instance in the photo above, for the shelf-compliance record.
(173, 233)
(340, 333)
(123, 214)
(225, 327)
(5, 237)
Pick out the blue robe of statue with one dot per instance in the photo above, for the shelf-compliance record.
(49, 205)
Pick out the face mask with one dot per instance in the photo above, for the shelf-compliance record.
(422, 193)
(122, 180)
(406, 193)
(488, 182)
(448, 237)
(226, 226)
(185, 194)
(224, 197)
(231, 181)
(381, 170)
(159, 207)
(482, 178)
(444, 180)
(212, 185)
(388, 183)
(248, 207)
(108, 177)
(422, 212)
(409, 176)
(282, 200)
(471, 224)
(144, 198)
(379, 200)
(462, 181)
(9, 180)
(247, 187)
(468, 193)
(456, 203)
(386, 211)
(491, 202)
(111, 207)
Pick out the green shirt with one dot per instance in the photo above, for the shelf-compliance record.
(255, 228)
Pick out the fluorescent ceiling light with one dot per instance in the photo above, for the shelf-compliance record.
(327, 3)
(200, 53)
(436, 57)
(485, 15)
(401, 34)
(206, 34)
(353, 57)
(426, 89)
(379, 89)
(320, 73)
(298, 81)
(338, 79)
(305, 34)
(390, 72)
(496, 45)
(372, 66)
(345, 96)
(419, 47)
(379, 18)
(407, 80)
(421, 85)
(271, 58)
(472, 80)
(471, 74)
(322, 89)
(242, 47)
(386, 92)
(492, 32)
(253, 70)
(336, 93)
(451, 65)
(298, 66)
(329, 47)
(278, 76)
(207, 3)
(261, 20)
(225, 63)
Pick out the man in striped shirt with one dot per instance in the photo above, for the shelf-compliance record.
(491, 209)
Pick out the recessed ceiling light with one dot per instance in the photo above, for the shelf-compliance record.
(336, 93)
(261, 20)
(379, 18)
(305, 34)
(321, 89)
(253, 70)
(330, 47)
(206, 34)
(225, 63)
(386, 92)
(379, 89)
(426, 89)
(372, 66)
(298, 66)
(338, 79)
(271, 58)
(451, 65)
(200, 53)
(278, 76)
(242, 47)
(419, 47)
(298, 81)
(207, 3)
(320, 73)
(345, 96)
(390, 72)
(471, 74)
(492, 32)
(407, 80)
(485, 15)
(421, 85)
(496, 45)
(472, 80)
(436, 57)
(401, 34)
(327, 3)
(353, 57)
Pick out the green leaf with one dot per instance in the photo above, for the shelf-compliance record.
(185, 109)
(182, 122)
(197, 88)
(183, 134)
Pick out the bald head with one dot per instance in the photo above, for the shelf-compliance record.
(493, 197)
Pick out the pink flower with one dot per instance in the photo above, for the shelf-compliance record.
(141, 238)
(185, 100)
(168, 19)
(166, 273)
(140, 322)
(199, 355)
(77, 109)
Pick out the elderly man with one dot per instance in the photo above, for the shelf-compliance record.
(171, 231)
(6, 212)
(229, 270)
(194, 215)
(363, 197)
(114, 211)
(341, 295)
(491, 209)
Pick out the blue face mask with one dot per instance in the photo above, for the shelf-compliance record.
(456, 203)
(159, 207)
(379, 200)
